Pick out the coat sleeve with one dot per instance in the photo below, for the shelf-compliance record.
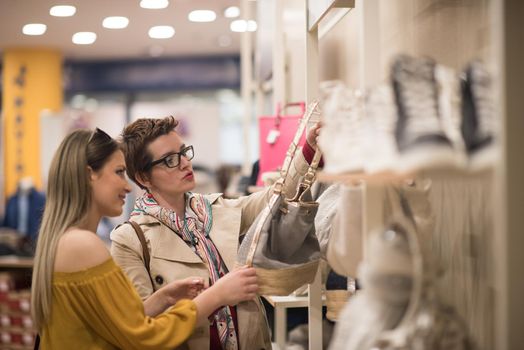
(253, 204)
(126, 250)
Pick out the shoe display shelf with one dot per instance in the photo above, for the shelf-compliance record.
(390, 177)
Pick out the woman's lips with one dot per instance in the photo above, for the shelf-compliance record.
(188, 176)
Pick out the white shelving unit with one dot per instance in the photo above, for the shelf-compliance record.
(315, 12)
(280, 305)
(322, 16)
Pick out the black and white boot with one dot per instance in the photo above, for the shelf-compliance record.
(420, 134)
(477, 125)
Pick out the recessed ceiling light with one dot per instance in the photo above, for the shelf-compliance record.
(202, 16)
(161, 32)
(115, 22)
(34, 29)
(62, 11)
(232, 12)
(241, 25)
(154, 4)
(84, 38)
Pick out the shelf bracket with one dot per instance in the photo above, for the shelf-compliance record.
(318, 9)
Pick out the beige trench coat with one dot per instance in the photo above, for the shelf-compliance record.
(172, 259)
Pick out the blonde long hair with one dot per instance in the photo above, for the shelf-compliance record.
(68, 201)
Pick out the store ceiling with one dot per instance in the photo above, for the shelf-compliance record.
(133, 42)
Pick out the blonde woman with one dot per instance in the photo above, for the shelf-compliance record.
(80, 298)
(188, 233)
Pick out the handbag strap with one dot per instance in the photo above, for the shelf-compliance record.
(280, 109)
(293, 147)
(37, 342)
(145, 251)
(266, 212)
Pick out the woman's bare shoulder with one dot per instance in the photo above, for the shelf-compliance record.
(79, 250)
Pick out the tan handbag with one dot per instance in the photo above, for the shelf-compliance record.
(281, 243)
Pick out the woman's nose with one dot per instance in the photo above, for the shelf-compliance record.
(184, 162)
(127, 187)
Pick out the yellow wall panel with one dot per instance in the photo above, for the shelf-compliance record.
(32, 82)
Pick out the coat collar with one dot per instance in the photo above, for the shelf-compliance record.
(167, 245)
(213, 197)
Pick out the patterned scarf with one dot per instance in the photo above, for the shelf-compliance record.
(194, 229)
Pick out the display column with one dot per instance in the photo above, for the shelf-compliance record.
(32, 82)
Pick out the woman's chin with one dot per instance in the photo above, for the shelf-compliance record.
(189, 186)
(114, 212)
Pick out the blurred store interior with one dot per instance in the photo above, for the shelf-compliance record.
(220, 67)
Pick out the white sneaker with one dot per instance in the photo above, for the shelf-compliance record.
(380, 147)
(341, 136)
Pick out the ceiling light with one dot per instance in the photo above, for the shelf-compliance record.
(84, 38)
(115, 22)
(154, 4)
(241, 25)
(62, 11)
(161, 32)
(202, 16)
(34, 29)
(232, 12)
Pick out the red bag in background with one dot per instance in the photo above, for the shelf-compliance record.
(275, 135)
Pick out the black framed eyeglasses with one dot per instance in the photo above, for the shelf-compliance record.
(172, 160)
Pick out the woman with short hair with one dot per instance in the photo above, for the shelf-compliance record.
(189, 233)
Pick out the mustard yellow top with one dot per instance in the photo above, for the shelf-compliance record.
(98, 308)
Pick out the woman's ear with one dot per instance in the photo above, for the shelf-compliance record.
(143, 180)
(91, 173)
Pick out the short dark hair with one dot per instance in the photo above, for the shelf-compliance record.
(136, 137)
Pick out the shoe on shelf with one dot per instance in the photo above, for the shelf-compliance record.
(420, 135)
(380, 147)
(342, 135)
(478, 113)
(449, 104)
